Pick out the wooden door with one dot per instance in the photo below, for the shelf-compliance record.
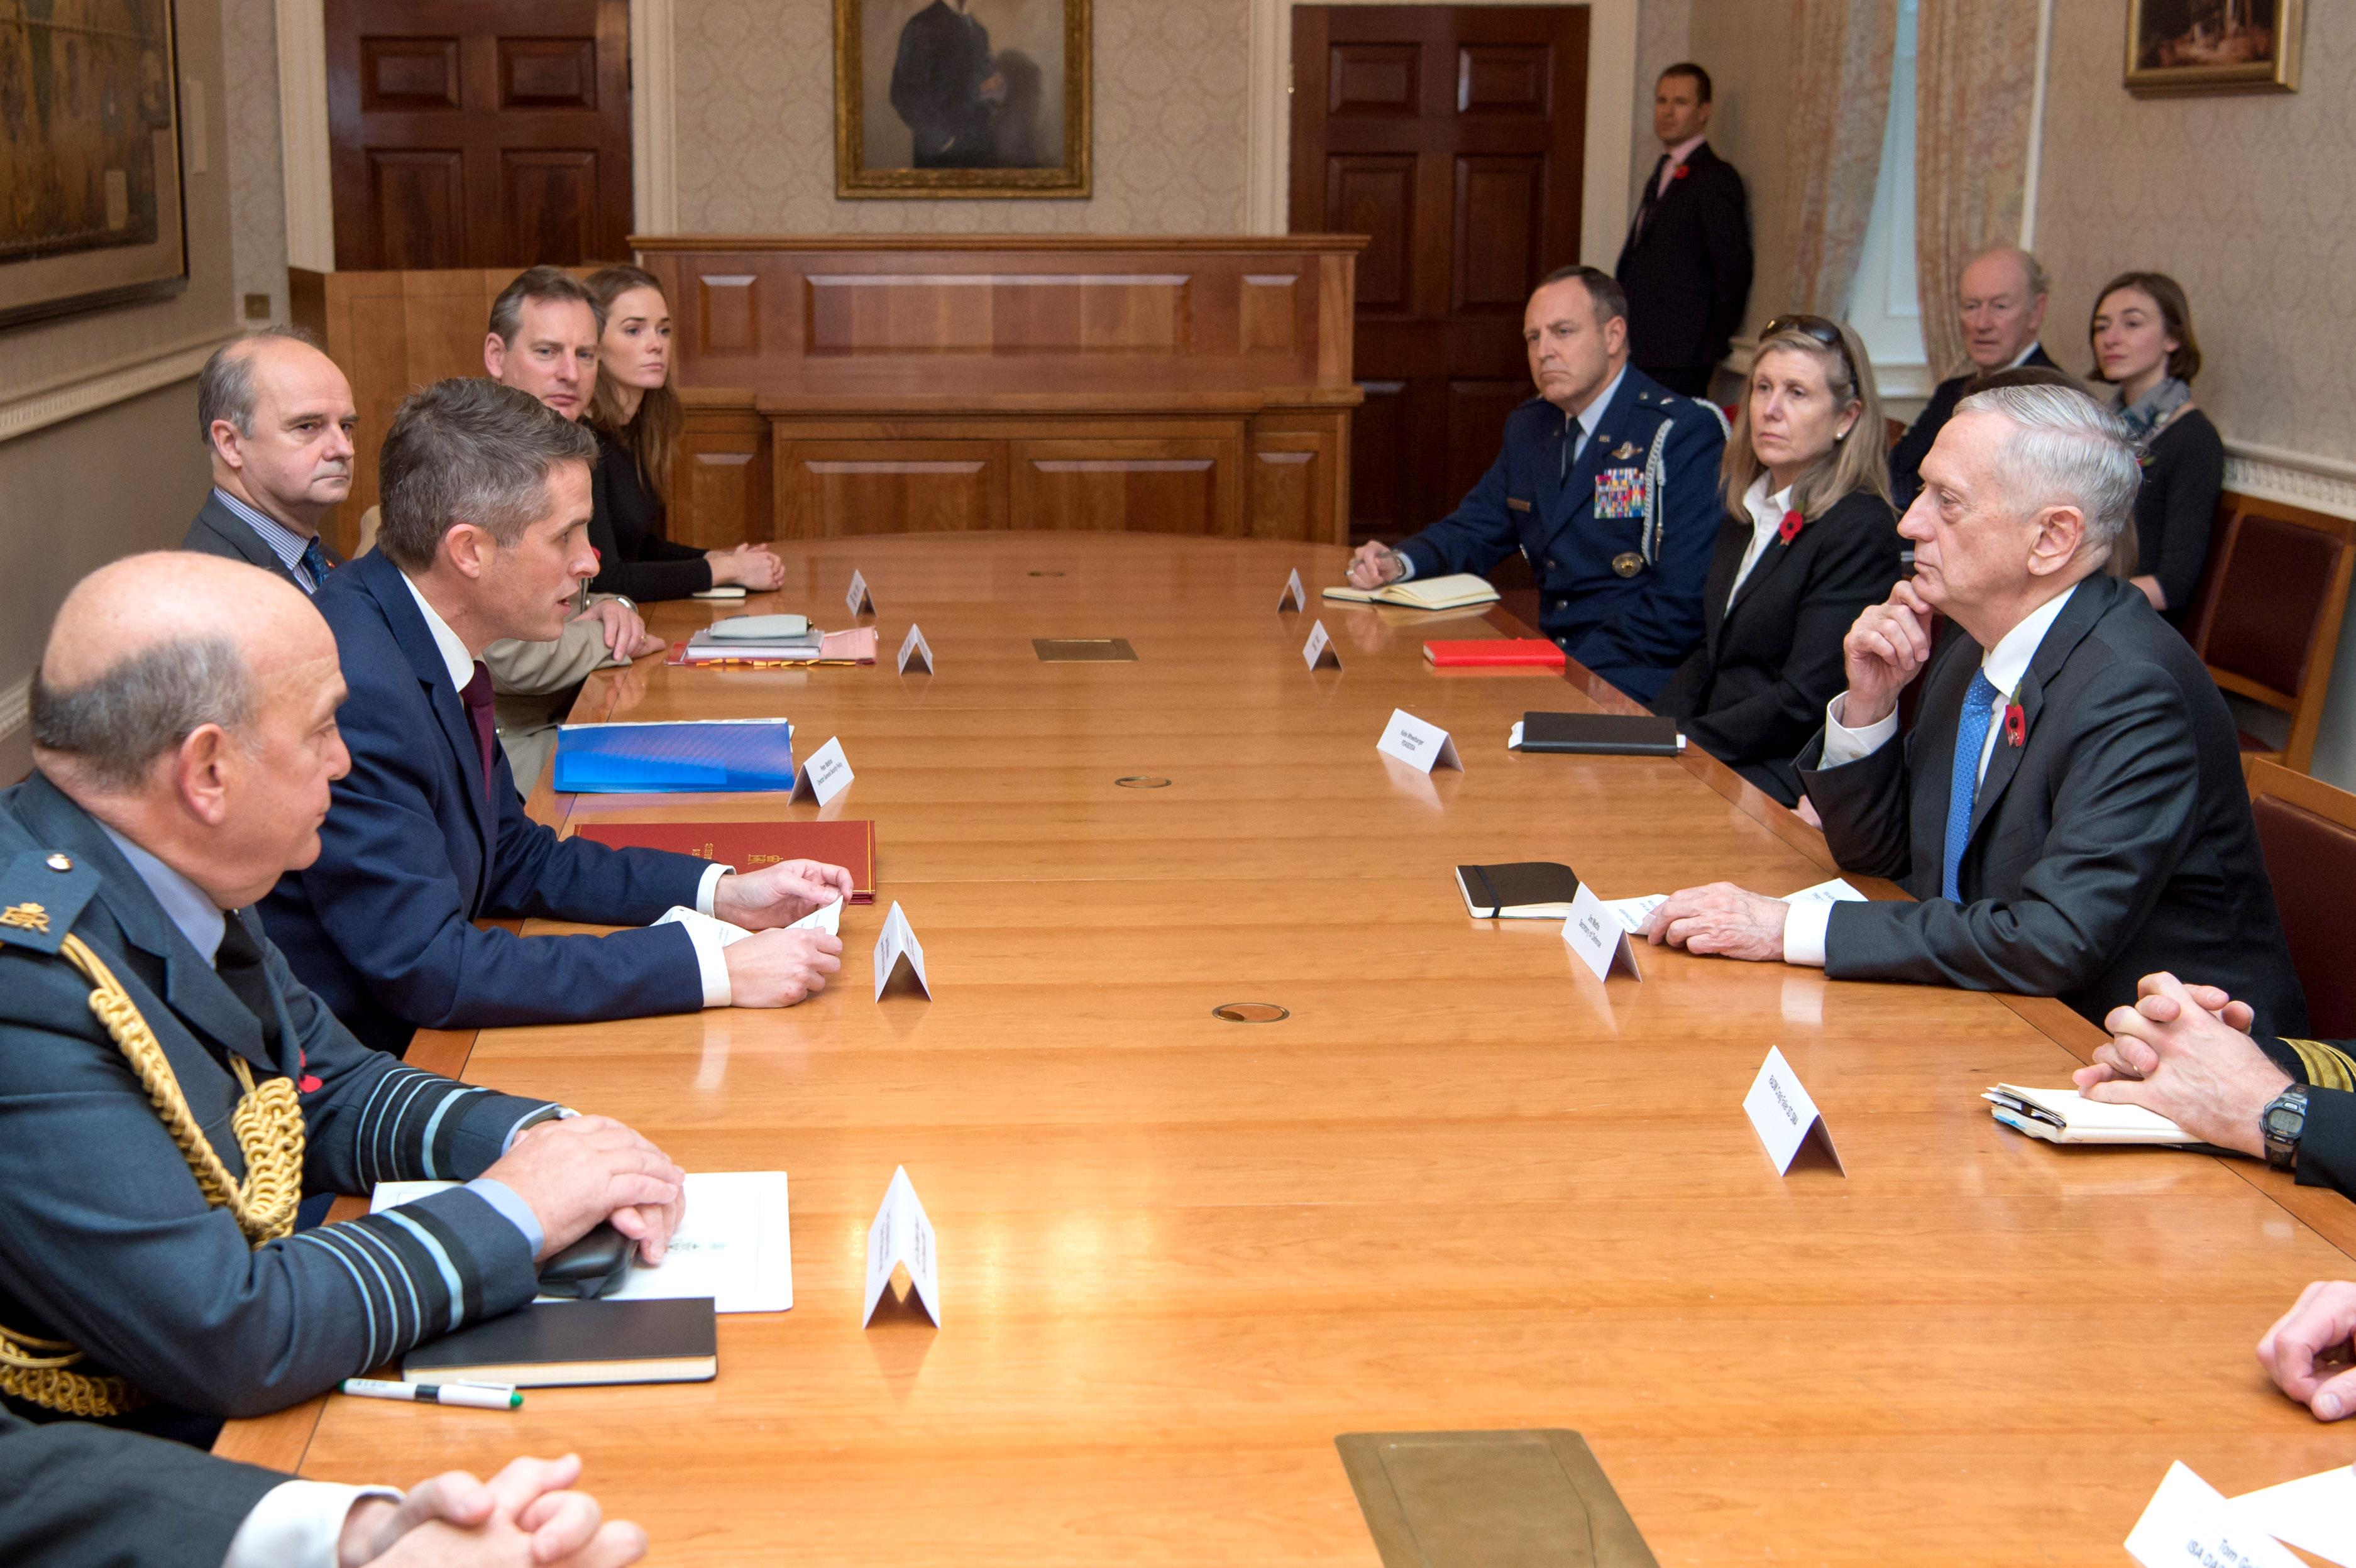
(1453, 136)
(478, 132)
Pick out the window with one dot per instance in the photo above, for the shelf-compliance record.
(1883, 306)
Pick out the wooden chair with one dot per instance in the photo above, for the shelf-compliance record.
(1893, 431)
(2268, 623)
(2308, 832)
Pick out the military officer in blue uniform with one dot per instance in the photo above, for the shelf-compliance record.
(1608, 484)
(169, 1092)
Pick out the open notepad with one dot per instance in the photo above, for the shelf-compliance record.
(2065, 1117)
(1424, 593)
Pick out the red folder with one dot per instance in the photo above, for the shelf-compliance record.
(749, 845)
(1495, 651)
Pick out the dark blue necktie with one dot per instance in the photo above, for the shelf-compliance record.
(314, 562)
(1971, 735)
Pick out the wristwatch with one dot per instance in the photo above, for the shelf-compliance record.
(2284, 1122)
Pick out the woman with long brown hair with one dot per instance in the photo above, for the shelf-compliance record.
(2142, 336)
(636, 419)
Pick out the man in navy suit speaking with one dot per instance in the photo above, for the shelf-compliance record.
(486, 507)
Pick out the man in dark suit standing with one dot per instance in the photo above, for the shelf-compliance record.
(277, 416)
(947, 89)
(483, 536)
(2001, 299)
(1686, 262)
(2069, 807)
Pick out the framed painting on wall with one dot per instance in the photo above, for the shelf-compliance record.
(91, 206)
(2212, 46)
(961, 98)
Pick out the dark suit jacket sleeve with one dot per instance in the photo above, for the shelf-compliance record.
(1665, 622)
(2127, 810)
(75, 1495)
(1475, 537)
(1867, 805)
(386, 893)
(2327, 1149)
(1726, 231)
(1852, 571)
(2193, 475)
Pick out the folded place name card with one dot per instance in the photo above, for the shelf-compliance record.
(1294, 596)
(901, 1237)
(897, 947)
(1597, 935)
(1319, 648)
(2314, 1513)
(1785, 1118)
(825, 776)
(913, 649)
(2189, 1524)
(859, 600)
(1420, 746)
(827, 918)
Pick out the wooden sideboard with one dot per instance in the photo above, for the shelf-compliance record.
(857, 385)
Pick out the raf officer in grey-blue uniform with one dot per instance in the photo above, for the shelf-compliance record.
(169, 1092)
(1608, 484)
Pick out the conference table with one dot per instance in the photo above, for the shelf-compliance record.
(1460, 1185)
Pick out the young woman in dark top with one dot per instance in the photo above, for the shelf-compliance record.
(2142, 336)
(636, 419)
(1810, 540)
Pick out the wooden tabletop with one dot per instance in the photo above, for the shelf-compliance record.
(1464, 1185)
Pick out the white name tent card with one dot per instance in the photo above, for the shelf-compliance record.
(860, 601)
(2189, 1524)
(915, 650)
(1597, 935)
(2315, 1513)
(1294, 596)
(826, 917)
(734, 1243)
(1784, 1116)
(1836, 891)
(898, 945)
(1420, 746)
(1318, 649)
(1633, 913)
(902, 1237)
(826, 775)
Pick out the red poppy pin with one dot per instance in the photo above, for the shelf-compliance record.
(306, 1082)
(1793, 524)
(1679, 171)
(2016, 725)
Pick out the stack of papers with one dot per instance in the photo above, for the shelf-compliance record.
(2065, 1117)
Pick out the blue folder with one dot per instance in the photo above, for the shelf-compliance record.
(662, 758)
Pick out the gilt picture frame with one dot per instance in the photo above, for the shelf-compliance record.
(2182, 47)
(962, 98)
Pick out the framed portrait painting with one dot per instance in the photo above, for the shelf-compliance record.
(90, 207)
(961, 98)
(2212, 46)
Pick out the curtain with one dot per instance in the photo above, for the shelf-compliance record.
(1976, 73)
(1840, 100)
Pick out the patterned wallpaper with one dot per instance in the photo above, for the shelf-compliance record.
(755, 131)
(257, 186)
(2245, 200)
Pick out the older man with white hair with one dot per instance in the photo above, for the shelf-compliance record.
(2000, 306)
(2068, 807)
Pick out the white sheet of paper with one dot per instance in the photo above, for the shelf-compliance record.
(1631, 914)
(1513, 737)
(826, 774)
(1319, 648)
(858, 599)
(898, 942)
(734, 1243)
(1595, 933)
(826, 917)
(728, 932)
(1782, 1115)
(1836, 891)
(901, 1233)
(2315, 1513)
(2188, 1522)
(1294, 595)
(1420, 745)
(913, 647)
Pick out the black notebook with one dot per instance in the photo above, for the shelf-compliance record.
(554, 1343)
(1521, 889)
(1600, 734)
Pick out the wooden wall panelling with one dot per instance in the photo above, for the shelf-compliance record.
(827, 489)
(1295, 486)
(1153, 485)
(721, 493)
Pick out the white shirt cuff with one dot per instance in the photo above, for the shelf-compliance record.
(297, 1525)
(711, 937)
(710, 883)
(1804, 925)
(1407, 567)
(1843, 744)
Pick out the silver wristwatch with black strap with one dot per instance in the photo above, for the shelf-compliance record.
(2284, 1122)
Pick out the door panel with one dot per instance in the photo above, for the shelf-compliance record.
(1453, 137)
(478, 132)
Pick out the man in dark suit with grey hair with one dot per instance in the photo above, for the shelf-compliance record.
(276, 417)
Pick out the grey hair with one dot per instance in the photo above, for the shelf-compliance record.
(2031, 269)
(2066, 450)
(115, 725)
(540, 283)
(225, 386)
(468, 450)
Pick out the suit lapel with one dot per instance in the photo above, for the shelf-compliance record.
(1733, 539)
(382, 579)
(1778, 549)
(2087, 606)
(1578, 487)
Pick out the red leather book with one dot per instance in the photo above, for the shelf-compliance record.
(749, 845)
(1495, 651)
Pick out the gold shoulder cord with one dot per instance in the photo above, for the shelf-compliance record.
(268, 1122)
